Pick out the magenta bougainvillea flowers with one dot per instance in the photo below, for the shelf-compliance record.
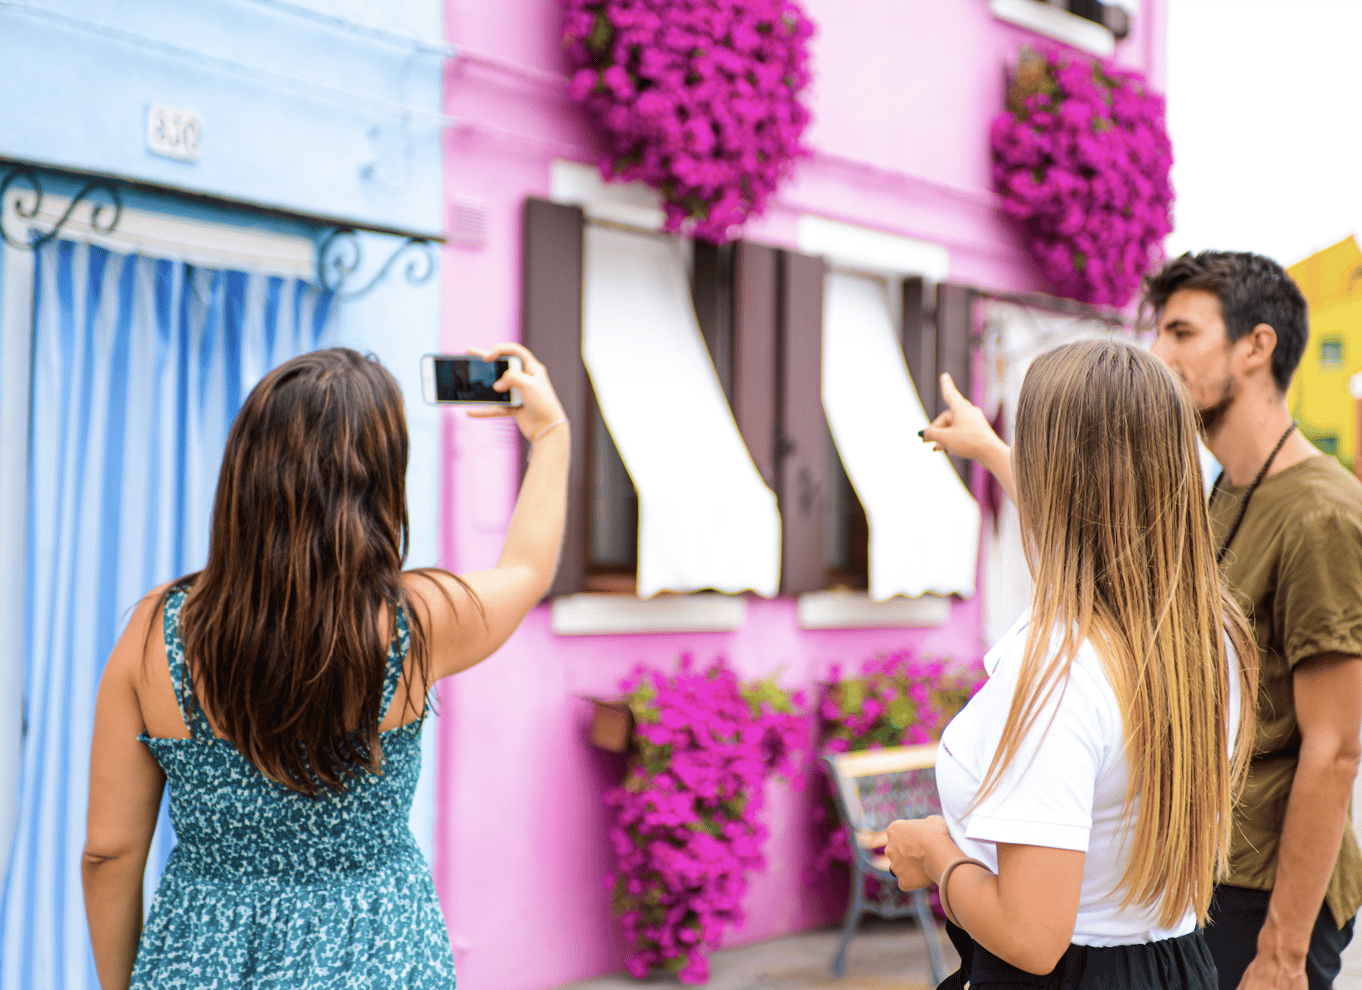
(697, 98)
(899, 699)
(1081, 159)
(688, 827)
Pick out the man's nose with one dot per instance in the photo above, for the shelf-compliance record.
(1160, 348)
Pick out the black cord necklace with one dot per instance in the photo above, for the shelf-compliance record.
(1243, 506)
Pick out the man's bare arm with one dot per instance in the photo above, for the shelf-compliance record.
(1328, 693)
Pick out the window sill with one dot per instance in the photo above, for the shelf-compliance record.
(1054, 22)
(604, 614)
(855, 610)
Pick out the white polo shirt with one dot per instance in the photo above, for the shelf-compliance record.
(1064, 790)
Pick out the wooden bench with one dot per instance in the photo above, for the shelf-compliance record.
(873, 788)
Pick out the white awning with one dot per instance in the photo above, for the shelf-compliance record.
(705, 517)
(924, 524)
(1014, 336)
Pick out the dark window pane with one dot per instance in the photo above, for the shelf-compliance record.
(712, 293)
(551, 327)
(614, 504)
(846, 539)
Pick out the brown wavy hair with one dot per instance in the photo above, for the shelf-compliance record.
(283, 626)
(1116, 532)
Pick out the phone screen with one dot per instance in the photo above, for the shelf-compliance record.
(461, 379)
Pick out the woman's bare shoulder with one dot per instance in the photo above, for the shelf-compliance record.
(436, 590)
(140, 643)
(144, 613)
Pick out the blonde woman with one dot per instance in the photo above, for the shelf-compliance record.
(1086, 790)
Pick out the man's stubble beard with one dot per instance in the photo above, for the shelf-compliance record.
(1213, 416)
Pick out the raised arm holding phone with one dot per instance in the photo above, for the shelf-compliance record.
(281, 691)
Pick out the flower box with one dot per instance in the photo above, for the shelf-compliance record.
(612, 726)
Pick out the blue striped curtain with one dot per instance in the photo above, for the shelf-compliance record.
(139, 366)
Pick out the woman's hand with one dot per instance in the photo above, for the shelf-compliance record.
(907, 844)
(539, 408)
(963, 431)
(1024, 915)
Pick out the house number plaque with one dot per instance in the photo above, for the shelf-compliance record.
(174, 133)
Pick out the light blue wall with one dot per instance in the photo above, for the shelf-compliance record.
(398, 323)
(328, 108)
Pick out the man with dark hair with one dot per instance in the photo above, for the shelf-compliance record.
(1234, 326)
(1249, 291)
(1288, 526)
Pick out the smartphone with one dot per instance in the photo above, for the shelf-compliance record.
(464, 378)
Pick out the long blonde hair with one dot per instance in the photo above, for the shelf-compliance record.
(1117, 536)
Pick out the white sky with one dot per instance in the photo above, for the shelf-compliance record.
(1265, 115)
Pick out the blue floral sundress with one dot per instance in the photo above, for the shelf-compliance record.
(269, 888)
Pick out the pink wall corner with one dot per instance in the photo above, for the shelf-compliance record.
(903, 97)
(524, 845)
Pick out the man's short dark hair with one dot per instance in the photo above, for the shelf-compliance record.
(1251, 289)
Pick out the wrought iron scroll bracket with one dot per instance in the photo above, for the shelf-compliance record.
(19, 176)
(339, 256)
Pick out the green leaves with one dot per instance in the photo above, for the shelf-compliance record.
(767, 692)
(602, 34)
(640, 702)
(902, 713)
(852, 697)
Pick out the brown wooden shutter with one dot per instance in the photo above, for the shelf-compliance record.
(802, 448)
(954, 318)
(711, 292)
(756, 332)
(919, 343)
(551, 327)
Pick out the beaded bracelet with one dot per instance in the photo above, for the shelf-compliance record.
(945, 882)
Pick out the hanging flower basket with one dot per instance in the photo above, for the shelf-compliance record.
(688, 826)
(1081, 159)
(700, 101)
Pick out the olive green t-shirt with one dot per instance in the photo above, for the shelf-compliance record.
(1296, 565)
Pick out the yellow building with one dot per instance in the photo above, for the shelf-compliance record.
(1319, 398)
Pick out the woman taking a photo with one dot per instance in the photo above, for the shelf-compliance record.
(281, 692)
(1086, 789)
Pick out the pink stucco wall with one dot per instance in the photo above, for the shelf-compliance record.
(902, 98)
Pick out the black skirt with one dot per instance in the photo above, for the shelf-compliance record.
(1170, 964)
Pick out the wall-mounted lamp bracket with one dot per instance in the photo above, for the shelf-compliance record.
(28, 207)
(339, 256)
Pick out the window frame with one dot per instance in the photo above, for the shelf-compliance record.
(760, 312)
(1326, 442)
(551, 327)
(710, 272)
(1058, 22)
